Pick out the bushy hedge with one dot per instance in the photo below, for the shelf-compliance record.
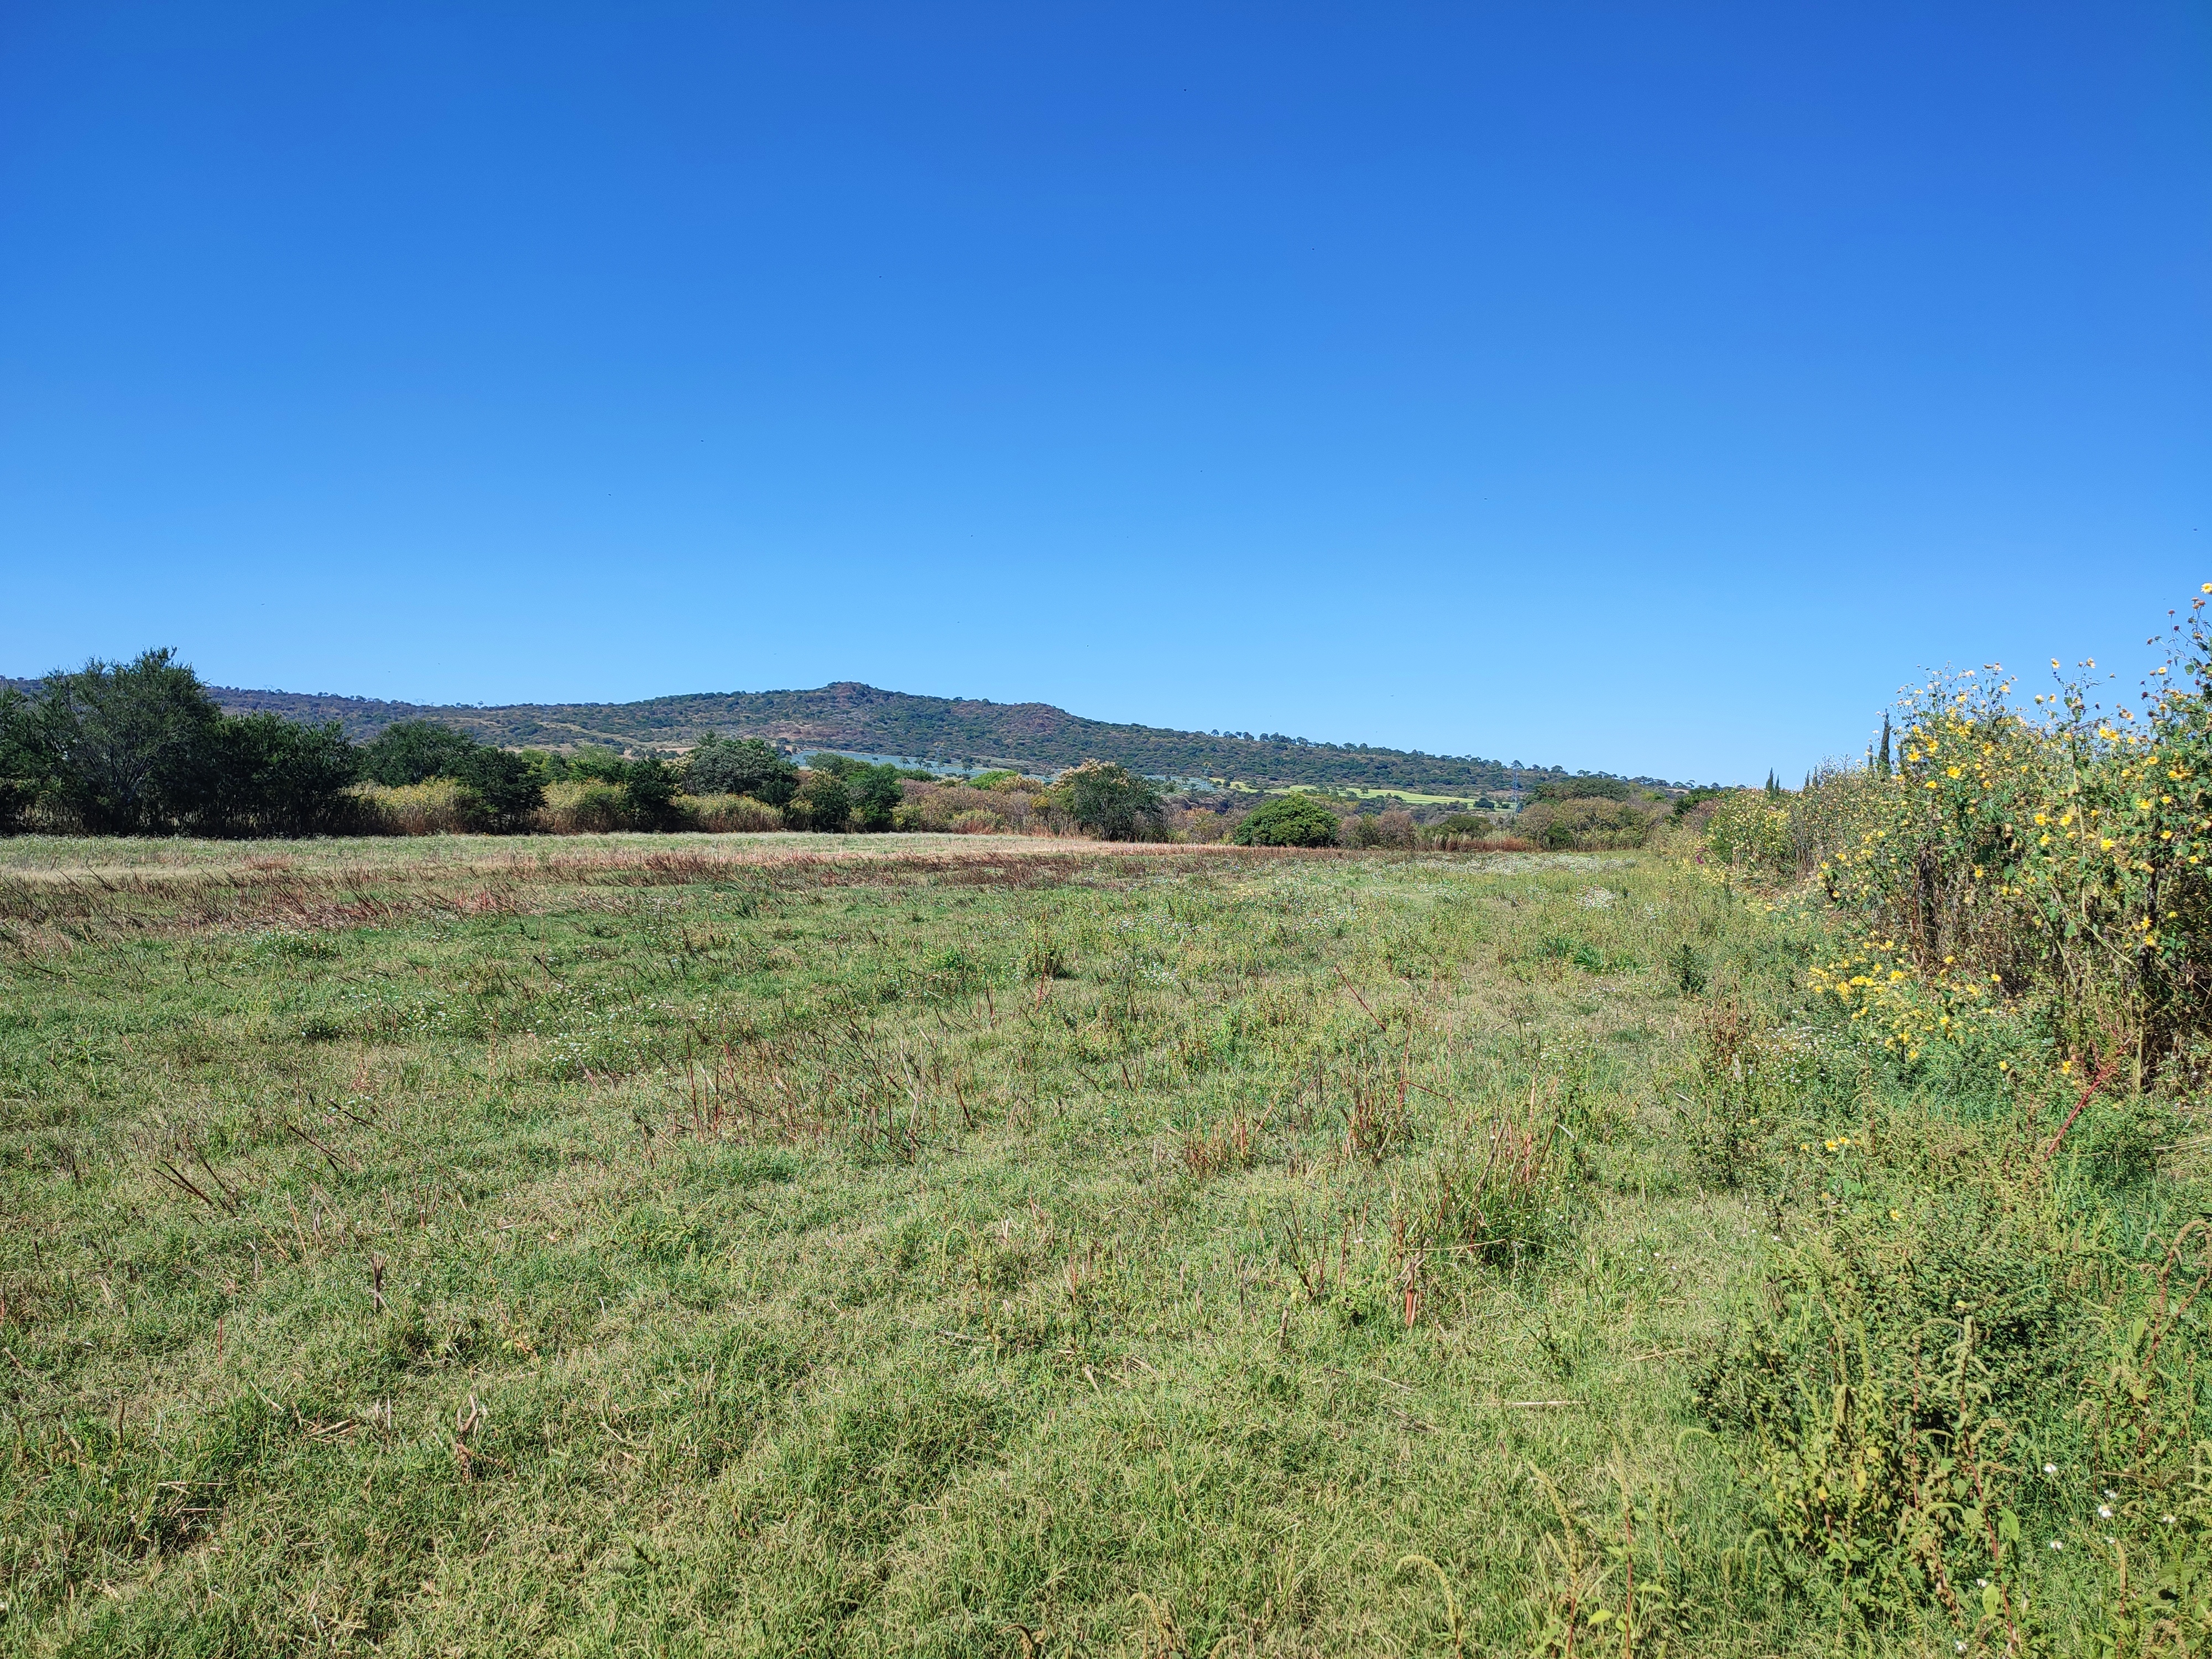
(1291, 821)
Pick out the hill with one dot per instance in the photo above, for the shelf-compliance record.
(1033, 736)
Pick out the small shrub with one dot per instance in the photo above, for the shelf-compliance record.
(1044, 957)
(1688, 967)
(1394, 829)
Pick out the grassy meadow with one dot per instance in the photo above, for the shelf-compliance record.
(671, 1246)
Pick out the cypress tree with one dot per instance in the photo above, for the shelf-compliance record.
(1882, 760)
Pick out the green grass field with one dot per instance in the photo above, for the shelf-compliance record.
(675, 1246)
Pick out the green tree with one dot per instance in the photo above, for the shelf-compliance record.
(876, 796)
(650, 785)
(271, 776)
(598, 763)
(821, 804)
(126, 747)
(745, 767)
(1288, 821)
(509, 786)
(415, 752)
(1110, 801)
(22, 769)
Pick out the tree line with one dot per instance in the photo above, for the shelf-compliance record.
(140, 748)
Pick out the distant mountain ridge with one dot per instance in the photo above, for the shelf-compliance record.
(1033, 736)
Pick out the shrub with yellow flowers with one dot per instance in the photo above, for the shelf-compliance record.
(2056, 853)
(1750, 832)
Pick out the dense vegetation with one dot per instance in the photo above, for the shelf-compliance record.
(1034, 737)
(140, 748)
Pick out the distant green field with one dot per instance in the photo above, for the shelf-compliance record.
(673, 1245)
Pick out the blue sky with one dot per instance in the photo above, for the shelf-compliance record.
(1644, 388)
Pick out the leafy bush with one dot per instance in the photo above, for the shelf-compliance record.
(822, 804)
(1109, 801)
(747, 766)
(1393, 829)
(649, 784)
(1290, 821)
(507, 785)
(1586, 823)
(1691, 799)
(1747, 831)
(592, 763)
(876, 797)
(269, 776)
(415, 752)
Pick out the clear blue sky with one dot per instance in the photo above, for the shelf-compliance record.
(1651, 388)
